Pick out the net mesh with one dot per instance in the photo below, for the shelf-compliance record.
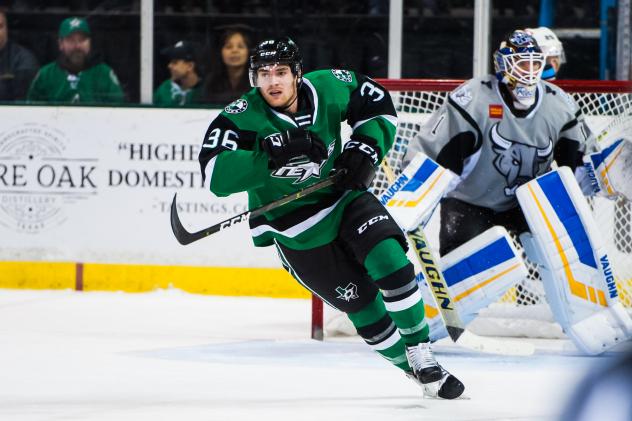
(608, 111)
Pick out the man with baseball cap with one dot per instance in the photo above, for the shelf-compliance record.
(77, 76)
(185, 85)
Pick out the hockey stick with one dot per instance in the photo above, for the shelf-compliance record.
(446, 304)
(185, 237)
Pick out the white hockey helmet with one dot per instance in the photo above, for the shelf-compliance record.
(549, 43)
(519, 60)
(519, 64)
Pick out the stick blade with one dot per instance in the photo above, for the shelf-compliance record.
(181, 234)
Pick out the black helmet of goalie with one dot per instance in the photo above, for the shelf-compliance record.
(519, 63)
(274, 52)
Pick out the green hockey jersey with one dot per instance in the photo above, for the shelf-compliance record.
(232, 159)
(169, 93)
(96, 84)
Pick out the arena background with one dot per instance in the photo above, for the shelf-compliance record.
(112, 233)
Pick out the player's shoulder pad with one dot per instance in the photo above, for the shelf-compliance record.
(555, 93)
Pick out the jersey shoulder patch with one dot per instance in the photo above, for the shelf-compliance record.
(342, 75)
(462, 95)
(236, 107)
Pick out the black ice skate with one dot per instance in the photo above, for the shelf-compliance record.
(434, 379)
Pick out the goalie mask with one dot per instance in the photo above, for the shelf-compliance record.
(519, 63)
(274, 52)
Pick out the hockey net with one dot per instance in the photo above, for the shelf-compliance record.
(522, 311)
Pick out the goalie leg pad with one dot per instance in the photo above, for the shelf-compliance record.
(572, 261)
(478, 273)
(481, 271)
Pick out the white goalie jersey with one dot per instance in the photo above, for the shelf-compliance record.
(493, 147)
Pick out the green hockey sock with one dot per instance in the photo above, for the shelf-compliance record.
(391, 270)
(376, 327)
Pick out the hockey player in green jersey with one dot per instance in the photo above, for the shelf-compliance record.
(339, 242)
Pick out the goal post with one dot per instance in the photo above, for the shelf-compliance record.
(602, 103)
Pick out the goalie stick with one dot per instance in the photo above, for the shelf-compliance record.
(445, 303)
(185, 237)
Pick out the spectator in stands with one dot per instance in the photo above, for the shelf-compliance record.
(228, 79)
(185, 85)
(78, 75)
(18, 65)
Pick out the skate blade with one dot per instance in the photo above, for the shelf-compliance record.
(437, 398)
(431, 390)
(433, 394)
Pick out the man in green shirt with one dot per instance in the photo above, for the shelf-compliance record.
(338, 242)
(185, 85)
(78, 76)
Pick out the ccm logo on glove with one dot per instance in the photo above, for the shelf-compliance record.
(359, 159)
(363, 147)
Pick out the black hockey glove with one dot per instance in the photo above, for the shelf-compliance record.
(359, 159)
(282, 147)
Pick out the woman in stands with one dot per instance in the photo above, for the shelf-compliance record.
(228, 79)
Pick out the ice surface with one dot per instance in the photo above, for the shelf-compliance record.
(170, 355)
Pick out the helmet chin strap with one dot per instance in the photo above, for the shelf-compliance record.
(284, 108)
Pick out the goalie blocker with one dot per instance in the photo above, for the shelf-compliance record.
(571, 256)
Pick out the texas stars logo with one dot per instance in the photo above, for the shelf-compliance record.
(301, 168)
(236, 107)
(343, 75)
(348, 293)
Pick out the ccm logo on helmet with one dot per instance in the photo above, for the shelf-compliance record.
(370, 222)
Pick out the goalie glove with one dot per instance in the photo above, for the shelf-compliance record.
(607, 172)
(359, 161)
(293, 143)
